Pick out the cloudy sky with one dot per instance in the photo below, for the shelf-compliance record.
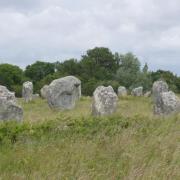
(53, 30)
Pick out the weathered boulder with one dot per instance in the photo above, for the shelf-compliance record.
(64, 92)
(167, 103)
(35, 96)
(9, 110)
(43, 91)
(104, 101)
(158, 88)
(147, 94)
(137, 91)
(27, 91)
(4, 92)
(122, 91)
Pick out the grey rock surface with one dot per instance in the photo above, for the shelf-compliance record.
(43, 91)
(158, 88)
(122, 91)
(165, 101)
(9, 110)
(27, 91)
(104, 101)
(35, 96)
(147, 94)
(168, 103)
(137, 91)
(4, 92)
(64, 92)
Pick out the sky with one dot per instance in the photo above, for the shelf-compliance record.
(52, 30)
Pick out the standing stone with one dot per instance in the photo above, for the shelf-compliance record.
(104, 101)
(158, 88)
(122, 91)
(165, 102)
(35, 96)
(9, 110)
(27, 91)
(43, 91)
(147, 94)
(137, 91)
(4, 92)
(170, 103)
(64, 92)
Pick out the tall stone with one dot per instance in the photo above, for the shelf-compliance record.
(122, 91)
(9, 110)
(27, 91)
(165, 102)
(137, 91)
(43, 91)
(104, 101)
(169, 103)
(5, 93)
(158, 88)
(64, 92)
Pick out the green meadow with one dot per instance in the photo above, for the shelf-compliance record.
(73, 145)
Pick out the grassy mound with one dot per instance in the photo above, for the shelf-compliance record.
(131, 144)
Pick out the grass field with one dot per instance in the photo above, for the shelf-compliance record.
(131, 144)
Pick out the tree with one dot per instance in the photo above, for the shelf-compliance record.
(102, 57)
(12, 77)
(145, 69)
(98, 63)
(68, 67)
(129, 70)
(144, 79)
(39, 70)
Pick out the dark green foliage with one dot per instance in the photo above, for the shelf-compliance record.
(98, 66)
(144, 80)
(39, 70)
(69, 67)
(98, 63)
(129, 70)
(101, 57)
(12, 131)
(89, 86)
(12, 77)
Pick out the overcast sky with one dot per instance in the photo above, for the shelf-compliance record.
(52, 30)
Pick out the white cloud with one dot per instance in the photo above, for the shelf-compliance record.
(58, 29)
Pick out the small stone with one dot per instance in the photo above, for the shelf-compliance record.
(9, 110)
(137, 91)
(122, 91)
(147, 94)
(35, 96)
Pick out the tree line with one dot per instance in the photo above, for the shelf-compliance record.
(98, 66)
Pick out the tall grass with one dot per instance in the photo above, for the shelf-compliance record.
(131, 144)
